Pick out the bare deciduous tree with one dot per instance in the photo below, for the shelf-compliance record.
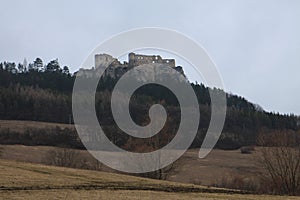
(280, 157)
(63, 157)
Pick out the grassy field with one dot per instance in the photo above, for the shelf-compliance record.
(188, 169)
(22, 180)
(33, 181)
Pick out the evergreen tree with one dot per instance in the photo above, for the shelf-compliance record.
(38, 64)
(53, 66)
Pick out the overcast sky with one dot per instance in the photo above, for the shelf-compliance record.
(255, 44)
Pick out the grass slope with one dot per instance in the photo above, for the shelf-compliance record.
(33, 181)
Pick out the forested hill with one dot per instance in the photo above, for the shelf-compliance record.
(44, 92)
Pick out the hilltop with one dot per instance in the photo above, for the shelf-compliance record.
(39, 92)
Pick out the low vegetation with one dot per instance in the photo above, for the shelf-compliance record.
(280, 157)
(32, 181)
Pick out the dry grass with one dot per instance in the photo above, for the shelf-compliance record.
(27, 176)
(189, 168)
(217, 165)
(32, 181)
(129, 195)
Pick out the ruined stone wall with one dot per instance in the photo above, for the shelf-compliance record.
(137, 59)
(106, 59)
(117, 69)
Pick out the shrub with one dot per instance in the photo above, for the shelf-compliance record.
(280, 159)
(63, 157)
(247, 149)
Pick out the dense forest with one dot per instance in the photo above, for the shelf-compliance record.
(41, 92)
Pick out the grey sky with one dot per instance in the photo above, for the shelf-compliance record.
(255, 44)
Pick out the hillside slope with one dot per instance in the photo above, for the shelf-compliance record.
(33, 181)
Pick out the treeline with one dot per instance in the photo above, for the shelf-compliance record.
(50, 76)
(33, 103)
(44, 93)
(60, 137)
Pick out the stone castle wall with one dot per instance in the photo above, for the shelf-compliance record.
(138, 59)
(117, 69)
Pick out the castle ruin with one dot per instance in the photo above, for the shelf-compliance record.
(138, 59)
(116, 69)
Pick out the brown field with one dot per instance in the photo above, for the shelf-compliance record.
(189, 168)
(33, 181)
(22, 180)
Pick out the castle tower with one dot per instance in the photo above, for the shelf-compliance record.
(131, 58)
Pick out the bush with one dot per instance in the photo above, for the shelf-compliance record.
(280, 159)
(1, 151)
(63, 157)
(247, 149)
